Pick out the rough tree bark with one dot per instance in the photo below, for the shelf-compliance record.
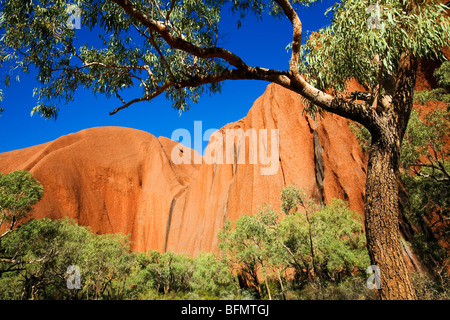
(381, 223)
(382, 206)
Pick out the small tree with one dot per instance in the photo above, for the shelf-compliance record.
(104, 262)
(213, 277)
(294, 199)
(426, 172)
(425, 147)
(19, 191)
(322, 245)
(247, 247)
(162, 273)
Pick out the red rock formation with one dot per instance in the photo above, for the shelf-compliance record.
(227, 191)
(112, 179)
(124, 180)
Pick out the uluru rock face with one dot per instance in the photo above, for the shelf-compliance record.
(124, 180)
(111, 179)
(306, 147)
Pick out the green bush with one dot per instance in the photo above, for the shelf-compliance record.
(318, 245)
(157, 274)
(305, 252)
(19, 191)
(213, 278)
(48, 247)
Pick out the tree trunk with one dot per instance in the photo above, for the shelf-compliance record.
(268, 289)
(281, 285)
(381, 219)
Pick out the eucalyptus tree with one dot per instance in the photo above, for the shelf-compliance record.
(172, 48)
(19, 192)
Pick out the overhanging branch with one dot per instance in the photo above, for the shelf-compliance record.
(250, 73)
(297, 32)
(291, 79)
(177, 42)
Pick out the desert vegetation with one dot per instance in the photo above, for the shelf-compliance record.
(300, 251)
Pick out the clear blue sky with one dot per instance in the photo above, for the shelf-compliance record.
(258, 43)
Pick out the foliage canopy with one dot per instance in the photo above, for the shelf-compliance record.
(19, 191)
(319, 244)
(174, 47)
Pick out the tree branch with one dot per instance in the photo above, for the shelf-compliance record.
(149, 97)
(291, 80)
(440, 221)
(432, 176)
(252, 73)
(11, 227)
(158, 8)
(340, 106)
(178, 42)
(361, 95)
(16, 262)
(297, 32)
(404, 90)
(172, 5)
(164, 61)
(5, 233)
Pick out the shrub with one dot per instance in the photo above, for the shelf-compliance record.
(54, 245)
(321, 245)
